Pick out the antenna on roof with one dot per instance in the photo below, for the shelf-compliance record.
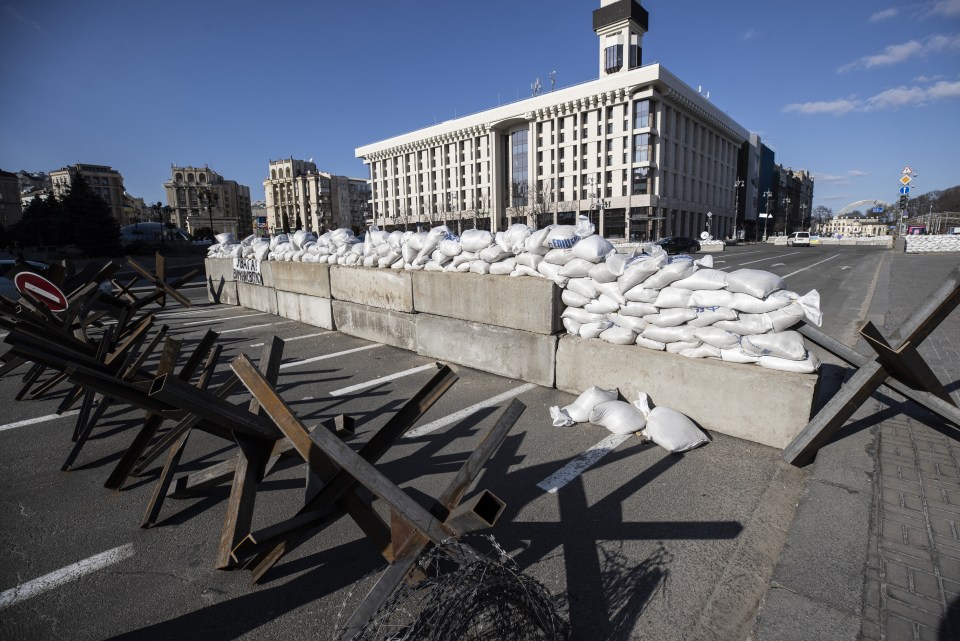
(553, 80)
(535, 88)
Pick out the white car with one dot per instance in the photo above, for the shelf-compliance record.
(799, 239)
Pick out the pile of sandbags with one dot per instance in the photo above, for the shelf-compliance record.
(684, 306)
(932, 244)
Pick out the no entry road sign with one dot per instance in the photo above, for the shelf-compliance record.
(39, 288)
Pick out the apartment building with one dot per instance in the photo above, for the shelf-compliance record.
(104, 181)
(637, 150)
(200, 197)
(298, 196)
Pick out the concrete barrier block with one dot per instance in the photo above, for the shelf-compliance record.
(747, 401)
(525, 303)
(257, 297)
(219, 269)
(379, 325)
(710, 249)
(384, 288)
(310, 310)
(222, 291)
(513, 353)
(301, 278)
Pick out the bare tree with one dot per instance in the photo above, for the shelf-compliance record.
(542, 201)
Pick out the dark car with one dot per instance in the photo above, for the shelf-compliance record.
(679, 245)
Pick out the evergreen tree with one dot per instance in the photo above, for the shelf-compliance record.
(91, 226)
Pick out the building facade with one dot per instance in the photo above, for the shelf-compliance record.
(200, 197)
(104, 181)
(298, 196)
(10, 208)
(637, 150)
(854, 226)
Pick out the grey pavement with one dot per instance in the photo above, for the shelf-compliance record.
(874, 549)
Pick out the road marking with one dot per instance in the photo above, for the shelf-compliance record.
(846, 267)
(577, 466)
(241, 329)
(295, 338)
(813, 265)
(760, 260)
(221, 320)
(59, 577)
(778, 264)
(326, 356)
(382, 379)
(469, 411)
(39, 419)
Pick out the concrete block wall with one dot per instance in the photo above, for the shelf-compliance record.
(511, 327)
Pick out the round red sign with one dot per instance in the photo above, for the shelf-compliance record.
(40, 289)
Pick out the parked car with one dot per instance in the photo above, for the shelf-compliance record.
(679, 244)
(799, 239)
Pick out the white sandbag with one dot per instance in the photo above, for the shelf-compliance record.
(226, 238)
(529, 260)
(584, 226)
(515, 236)
(576, 268)
(671, 317)
(632, 308)
(593, 330)
(711, 298)
(650, 344)
(619, 335)
(504, 267)
(609, 270)
(671, 296)
(703, 279)
(806, 366)
(440, 258)
(594, 248)
(788, 345)
(353, 259)
(719, 338)
(415, 240)
(639, 269)
(493, 254)
(572, 326)
(737, 355)
(464, 257)
(582, 316)
(552, 272)
(260, 252)
(680, 333)
(583, 286)
(571, 298)
(370, 261)
(618, 416)
(668, 428)
(523, 270)
(753, 305)
(705, 263)
(710, 315)
(479, 267)
(704, 351)
(474, 240)
(611, 290)
(670, 273)
(641, 294)
(562, 237)
(537, 240)
(409, 252)
(466, 265)
(747, 324)
(633, 323)
(680, 346)
(450, 247)
(579, 410)
(786, 317)
(559, 256)
(756, 282)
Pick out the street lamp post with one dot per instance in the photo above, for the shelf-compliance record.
(597, 202)
(803, 214)
(766, 214)
(786, 214)
(737, 185)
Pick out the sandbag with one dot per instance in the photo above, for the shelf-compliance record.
(552, 272)
(503, 267)
(673, 297)
(681, 333)
(602, 305)
(703, 279)
(594, 248)
(639, 269)
(529, 260)
(753, 305)
(562, 237)
(680, 346)
(479, 267)
(633, 323)
(671, 317)
(583, 286)
(711, 298)
(559, 256)
(611, 290)
(650, 344)
(474, 240)
(579, 410)
(747, 324)
(576, 268)
(523, 270)
(593, 330)
(668, 428)
(571, 298)
(618, 416)
(641, 294)
(672, 272)
(756, 282)
(737, 355)
(710, 315)
(719, 338)
(632, 308)
(703, 351)
(582, 316)
(537, 239)
(450, 247)
(787, 345)
(572, 326)
(808, 365)
(619, 335)
(493, 254)
(610, 269)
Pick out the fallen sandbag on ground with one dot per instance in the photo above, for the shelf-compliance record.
(668, 428)
(579, 410)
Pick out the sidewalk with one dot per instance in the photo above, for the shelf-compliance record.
(874, 550)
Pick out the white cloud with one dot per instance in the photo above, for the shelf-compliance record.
(893, 98)
(886, 14)
(827, 178)
(926, 79)
(839, 179)
(749, 34)
(856, 173)
(947, 8)
(904, 51)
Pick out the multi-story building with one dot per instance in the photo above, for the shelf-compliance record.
(854, 225)
(791, 199)
(637, 150)
(200, 197)
(300, 197)
(104, 181)
(10, 210)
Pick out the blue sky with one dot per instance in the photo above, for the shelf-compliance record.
(850, 90)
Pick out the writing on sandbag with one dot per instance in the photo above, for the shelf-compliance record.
(247, 270)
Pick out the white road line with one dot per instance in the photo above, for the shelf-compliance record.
(59, 577)
(39, 419)
(326, 356)
(808, 267)
(382, 379)
(760, 260)
(295, 338)
(217, 320)
(241, 329)
(577, 466)
(469, 411)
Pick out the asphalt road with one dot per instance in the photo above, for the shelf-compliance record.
(642, 544)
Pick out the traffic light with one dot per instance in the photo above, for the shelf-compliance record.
(903, 202)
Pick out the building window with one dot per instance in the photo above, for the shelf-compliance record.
(641, 114)
(641, 148)
(613, 58)
(518, 167)
(641, 181)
